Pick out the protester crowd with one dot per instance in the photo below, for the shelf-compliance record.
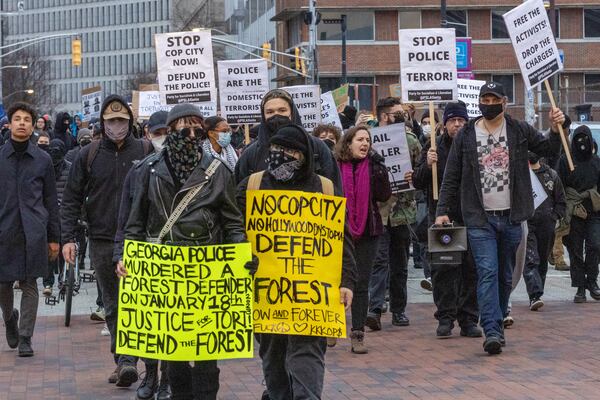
(180, 178)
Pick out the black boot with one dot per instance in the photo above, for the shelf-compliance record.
(164, 388)
(149, 384)
(594, 290)
(25, 349)
(12, 329)
(580, 295)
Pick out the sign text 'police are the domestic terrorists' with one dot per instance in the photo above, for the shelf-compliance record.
(308, 102)
(428, 64)
(532, 38)
(298, 238)
(242, 85)
(183, 303)
(390, 141)
(185, 67)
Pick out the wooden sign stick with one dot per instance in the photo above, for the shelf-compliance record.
(563, 138)
(434, 174)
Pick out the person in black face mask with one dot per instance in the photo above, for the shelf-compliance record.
(488, 168)
(84, 137)
(583, 213)
(278, 109)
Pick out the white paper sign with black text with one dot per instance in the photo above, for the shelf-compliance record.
(242, 85)
(390, 141)
(428, 64)
(468, 92)
(531, 35)
(308, 101)
(538, 192)
(149, 103)
(329, 114)
(185, 67)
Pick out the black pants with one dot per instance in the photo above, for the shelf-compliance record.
(200, 382)
(364, 250)
(585, 233)
(398, 261)
(540, 241)
(293, 365)
(54, 267)
(455, 292)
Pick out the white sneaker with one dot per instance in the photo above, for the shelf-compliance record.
(47, 291)
(105, 331)
(508, 321)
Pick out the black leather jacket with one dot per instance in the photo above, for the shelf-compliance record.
(212, 217)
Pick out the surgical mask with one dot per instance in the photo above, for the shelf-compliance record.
(116, 130)
(283, 167)
(277, 121)
(224, 138)
(491, 111)
(158, 143)
(426, 130)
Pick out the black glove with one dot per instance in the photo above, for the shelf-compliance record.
(252, 266)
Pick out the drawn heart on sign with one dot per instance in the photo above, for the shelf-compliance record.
(300, 327)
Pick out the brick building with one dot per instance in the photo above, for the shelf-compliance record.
(373, 53)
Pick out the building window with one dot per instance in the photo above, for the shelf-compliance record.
(458, 21)
(360, 26)
(591, 22)
(592, 88)
(409, 19)
(508, 81)
(499, 30)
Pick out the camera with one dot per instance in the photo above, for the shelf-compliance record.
(447, 244)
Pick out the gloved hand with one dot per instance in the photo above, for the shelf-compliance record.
(252, 266)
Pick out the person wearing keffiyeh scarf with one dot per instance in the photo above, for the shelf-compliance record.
(217, 141)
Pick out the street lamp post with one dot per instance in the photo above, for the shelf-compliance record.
(28, 91)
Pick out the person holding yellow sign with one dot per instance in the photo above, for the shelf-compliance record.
(293, 356)
(199, 192)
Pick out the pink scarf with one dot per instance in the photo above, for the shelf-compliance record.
(357, 190)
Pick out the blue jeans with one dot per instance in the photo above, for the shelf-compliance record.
(494, 247)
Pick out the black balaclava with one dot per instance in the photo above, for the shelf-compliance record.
(57, 151)
(283, 167)
(582, 143)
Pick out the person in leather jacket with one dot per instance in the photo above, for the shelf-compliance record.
(211, 218)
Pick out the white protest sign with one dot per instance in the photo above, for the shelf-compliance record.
(428, 64)
(468, 92)
(539, 194)
(185, 67)
(149, 103)
(531, 35)
(242, 85)
(390, 141)
(308, 101)
(91, 102)
(329, 114)
(207, 109)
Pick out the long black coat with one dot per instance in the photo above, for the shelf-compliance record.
(29, 214)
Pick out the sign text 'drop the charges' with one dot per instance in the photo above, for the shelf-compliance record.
(428, 64)
(307, 99)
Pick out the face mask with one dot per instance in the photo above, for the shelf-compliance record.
(116, 130)
(224, 139)
(44, 147)
(158, 143)
(283, 167)
(490, 111)
(534, 159)
(426, 130)
(397, 118)
(85, 141)
(56, 155)
(277, 121)
(330, 143)
(582, 142)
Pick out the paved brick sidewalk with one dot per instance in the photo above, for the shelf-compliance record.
(551, 354)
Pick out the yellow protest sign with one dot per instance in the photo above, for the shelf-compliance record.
(181, 303)
(299, 239)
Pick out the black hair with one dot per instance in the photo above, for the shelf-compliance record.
(385, 104)
(210, 123)
(21, 106)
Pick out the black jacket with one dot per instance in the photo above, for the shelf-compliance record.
(461, 178)
(254, 157)
(99, 191)
(556, 203)
(61, 131)
(61, 172)
(211, 218)
(29, 216)
(72, 154)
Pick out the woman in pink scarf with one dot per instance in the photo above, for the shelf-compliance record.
(365, 182)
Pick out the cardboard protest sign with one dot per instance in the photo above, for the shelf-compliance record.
(390, 141)
(185, 67)
(468, 92)
(428, 64)
(532, 38)
(341, 97)
(181, 303)
(91, 102)
(242, 85)
(298, 238)
(329, 113)
(307, 100)
(538, 191)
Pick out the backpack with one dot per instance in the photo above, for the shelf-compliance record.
(256, 178)
(95, 148)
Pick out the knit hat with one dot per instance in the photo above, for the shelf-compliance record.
(292, 137)
(454, 110)
(83, 132)
(183, 110)
(158, 120)
(426, 115)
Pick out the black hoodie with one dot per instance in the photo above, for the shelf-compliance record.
(254, 158)
(60, 130)
(99, 190)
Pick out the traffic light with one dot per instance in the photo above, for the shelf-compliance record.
(303, 62)
(76, 52)
(266, 52)
(297, 63)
